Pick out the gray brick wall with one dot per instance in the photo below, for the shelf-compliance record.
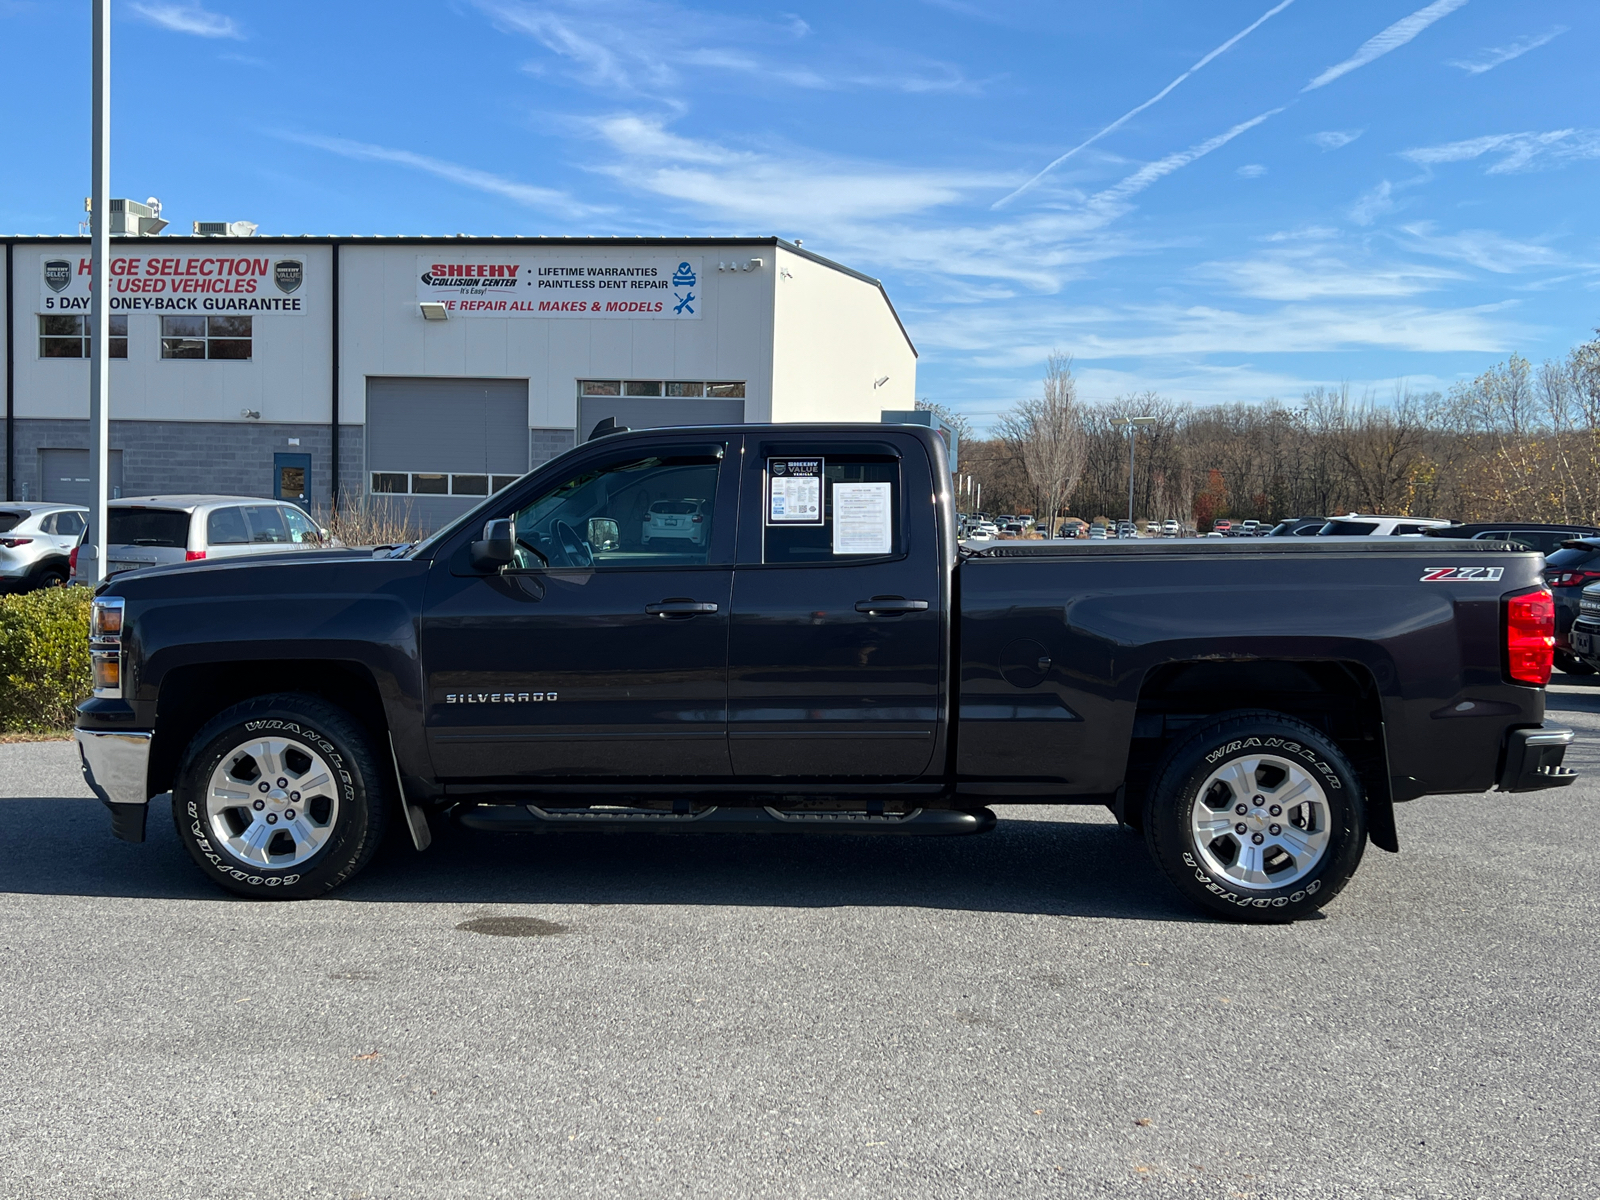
(229, 457)
(545, 444)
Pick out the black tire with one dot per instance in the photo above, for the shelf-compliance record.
(355, 823)
(1571, 664)
(1200, 873)
(52, 576)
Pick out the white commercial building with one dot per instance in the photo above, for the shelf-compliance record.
(429, 368)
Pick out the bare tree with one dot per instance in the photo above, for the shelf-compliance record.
(1048, 435)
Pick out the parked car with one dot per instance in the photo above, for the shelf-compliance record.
(1583, 638)
(1170, 529)
(508, 672)
(675, 519)
(1097, 532)
(1298, 527)
(154, 531)
(1224, 527)
(1546, 539)
(1567, 572)
(36, 542)
(1248, 528)
(1370, 525)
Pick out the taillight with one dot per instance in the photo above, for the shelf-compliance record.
(698, 518)
(11, 543)
(72, 561)
(193, 555)
(1530, 637)
(1566, 579)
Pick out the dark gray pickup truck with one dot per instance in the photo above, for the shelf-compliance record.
(773, 628)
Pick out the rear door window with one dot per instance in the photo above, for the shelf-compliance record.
(148, 527)
(858, 508)
(69, 524)
(225, 527)
(266, 526)
(1348, 528)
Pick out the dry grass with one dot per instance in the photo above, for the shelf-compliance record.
(51, 735)
(364, 520)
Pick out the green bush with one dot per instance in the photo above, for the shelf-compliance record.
(44, 658)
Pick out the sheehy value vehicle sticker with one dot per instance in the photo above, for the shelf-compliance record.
(862, 521)
(1462, 574)
(794, 491)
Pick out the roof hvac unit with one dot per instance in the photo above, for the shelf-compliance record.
(225, 228)
(131, 217)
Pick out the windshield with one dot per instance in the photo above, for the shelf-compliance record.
(147, 527)
(9, 520)
(1572, 556)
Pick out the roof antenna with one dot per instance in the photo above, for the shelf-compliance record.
(604, 426)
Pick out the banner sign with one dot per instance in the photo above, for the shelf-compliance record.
(166, 283)
(650, 287)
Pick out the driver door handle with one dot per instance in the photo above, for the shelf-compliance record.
(880, 606)
(680, 608)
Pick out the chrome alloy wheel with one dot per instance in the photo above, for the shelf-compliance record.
(272, 802)
(1261, 822)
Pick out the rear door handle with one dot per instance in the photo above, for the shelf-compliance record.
(890, 606)
(680, 608)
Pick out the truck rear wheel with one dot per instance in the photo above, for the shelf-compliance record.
(281, 798)
(1257, 817)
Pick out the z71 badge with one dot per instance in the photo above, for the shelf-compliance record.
(1462, 574)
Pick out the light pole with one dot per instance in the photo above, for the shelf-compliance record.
(1134, 424)
(94, 542)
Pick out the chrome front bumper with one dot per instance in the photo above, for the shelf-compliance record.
(115, 764)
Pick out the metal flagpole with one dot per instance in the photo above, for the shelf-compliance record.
(94, 542)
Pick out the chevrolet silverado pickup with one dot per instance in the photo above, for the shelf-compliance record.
(775, 629)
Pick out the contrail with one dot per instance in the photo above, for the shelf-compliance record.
(1131, 113)
(1392, 38)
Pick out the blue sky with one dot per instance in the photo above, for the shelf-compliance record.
(1362, 190)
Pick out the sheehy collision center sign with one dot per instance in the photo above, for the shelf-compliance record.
(178, 283)
(644, 287)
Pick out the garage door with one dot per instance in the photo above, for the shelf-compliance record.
(64, 476)
(438, 446)
(653, 413)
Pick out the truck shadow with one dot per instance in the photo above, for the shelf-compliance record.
(1048, 867)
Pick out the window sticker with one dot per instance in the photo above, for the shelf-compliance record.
(794, 491)
(862, 519)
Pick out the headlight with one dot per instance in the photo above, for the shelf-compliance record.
(105, 645)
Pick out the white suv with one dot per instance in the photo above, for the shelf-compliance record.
(36, 542)
(675, 519)
(158, 530)
(1368, 525)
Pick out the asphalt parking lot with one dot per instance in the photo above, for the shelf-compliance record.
(1030, 1013)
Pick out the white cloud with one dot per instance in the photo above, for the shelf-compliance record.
(1392, 38)
(469, 177)
(1316, 274)
(1336, 139)
(1151, 172)
(1133, 112)
(1251, 171)
(1496, 55)
(1515, 152)
(189, 18)
(1482, 248)
(1371, 205)
(659, 49)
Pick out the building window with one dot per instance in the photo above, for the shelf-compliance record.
(206, 337)
(672, 388)
(68, 336)
(438, 483)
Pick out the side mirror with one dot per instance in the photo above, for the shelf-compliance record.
(604, 534)
(497, 548)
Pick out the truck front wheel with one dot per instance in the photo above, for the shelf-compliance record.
(280, 798)
(1257, 817)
